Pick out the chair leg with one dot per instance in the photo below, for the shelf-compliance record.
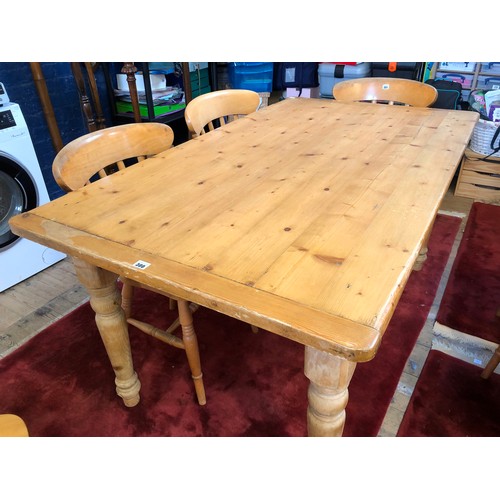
(127, 294)
(492, 364)
(191, 347)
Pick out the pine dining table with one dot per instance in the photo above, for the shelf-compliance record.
(305, 218)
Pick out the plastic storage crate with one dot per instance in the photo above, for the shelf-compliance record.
(492, 68)
(200, 82)
(257, 76)
(464, 79)
(409, 70)
(330, 74)
(126, 107)
(488, 82)
(457, 66)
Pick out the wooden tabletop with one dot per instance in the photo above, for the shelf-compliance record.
(304, 218)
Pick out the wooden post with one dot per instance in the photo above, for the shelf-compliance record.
(129, 69)
(84, 100)
(186, 81)
(48, 111)
(94, 92)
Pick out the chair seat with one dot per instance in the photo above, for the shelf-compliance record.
(12, 426)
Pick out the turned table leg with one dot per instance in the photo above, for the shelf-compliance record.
(110, 319)
(422, 257)
(422, 254)
(329, 377)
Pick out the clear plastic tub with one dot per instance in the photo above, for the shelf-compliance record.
(256, 76)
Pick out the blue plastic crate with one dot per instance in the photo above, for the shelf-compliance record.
(256, 76)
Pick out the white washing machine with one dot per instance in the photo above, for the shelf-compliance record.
(22, 188)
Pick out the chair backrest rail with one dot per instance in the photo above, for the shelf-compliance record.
(388, 90)
(207, 111)
(83, 158)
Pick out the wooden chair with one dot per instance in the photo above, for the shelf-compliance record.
(209, 111)
(105, 151)
(90, 106)
(492, 364)
(494, 361)
(386, 90)
(12, 426)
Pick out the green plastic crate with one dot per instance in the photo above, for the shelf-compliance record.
(200, 82)
(126, 107)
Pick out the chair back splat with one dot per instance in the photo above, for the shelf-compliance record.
(386, 90)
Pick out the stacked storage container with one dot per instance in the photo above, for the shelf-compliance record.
(256, 76)
(489, 77)
(409, 70)
(199, 78)
(332, 73)
(460, 72)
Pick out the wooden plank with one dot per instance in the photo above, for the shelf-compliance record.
(480, 179)
(478, 193)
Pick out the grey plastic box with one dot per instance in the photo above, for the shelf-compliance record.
(328, 77)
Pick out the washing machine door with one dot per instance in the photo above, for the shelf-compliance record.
(17, 194)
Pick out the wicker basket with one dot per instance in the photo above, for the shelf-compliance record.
(482, 135)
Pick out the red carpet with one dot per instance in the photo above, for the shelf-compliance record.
(452, 400)
(61, 383)
(472, 294)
